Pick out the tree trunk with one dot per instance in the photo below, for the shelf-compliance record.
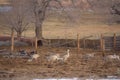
(12, 40)
(38, 27)
(38, 31)
(39, 11)
(19, 35)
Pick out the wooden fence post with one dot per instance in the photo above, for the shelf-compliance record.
(36, 45)
(33, 42)
(114, 43)
(78, 43)
(84, 43)
(49, 42)
(93, 42)
(12, 40)
(102, 44)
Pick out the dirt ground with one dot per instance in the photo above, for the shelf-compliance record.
(75, 66)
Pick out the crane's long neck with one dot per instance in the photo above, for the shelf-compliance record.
(68, 52)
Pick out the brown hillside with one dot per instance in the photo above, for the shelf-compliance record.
(4, 2)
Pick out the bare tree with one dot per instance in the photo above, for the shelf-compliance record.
(39, 9)
(17, 18)
(116, 9)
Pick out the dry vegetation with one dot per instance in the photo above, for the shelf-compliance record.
(4, 2)
(76, 65)
(88, 24)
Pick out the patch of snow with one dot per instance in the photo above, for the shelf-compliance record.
(78, 79)
(58, 79)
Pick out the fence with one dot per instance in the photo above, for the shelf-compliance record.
(82, 43)
(112, 43)
(103, 43)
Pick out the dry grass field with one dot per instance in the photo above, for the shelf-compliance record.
(87, 24)
(4, 2)
(76, 65)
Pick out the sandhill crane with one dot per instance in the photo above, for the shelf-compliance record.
(34, 57)
(64, 57)
(112, 57)
(58, 57)
(89, 56)
(53, 57)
